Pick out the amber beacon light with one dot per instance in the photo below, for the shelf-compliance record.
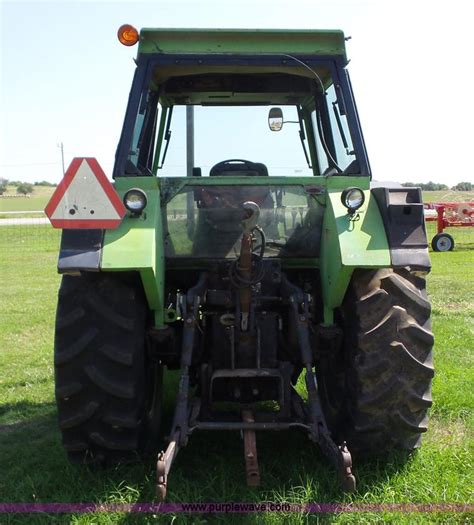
(127, 35)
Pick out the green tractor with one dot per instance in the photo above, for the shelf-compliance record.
(288, 290)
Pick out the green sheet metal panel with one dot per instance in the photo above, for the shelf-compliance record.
(349, 243)
(242, 41)
(134, 246)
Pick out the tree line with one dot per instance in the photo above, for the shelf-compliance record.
(26, 188)
(436, 186)
(22, 188)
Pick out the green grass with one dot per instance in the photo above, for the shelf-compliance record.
(36, 201)
(34, 467)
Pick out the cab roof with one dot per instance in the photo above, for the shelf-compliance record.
(307, 42)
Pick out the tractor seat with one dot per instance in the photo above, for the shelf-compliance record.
(239, 167)
(234, 196)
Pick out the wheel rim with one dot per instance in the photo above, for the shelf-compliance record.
(444, 244)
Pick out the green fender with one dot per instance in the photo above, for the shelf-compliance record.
(133, 245)
(349, 242)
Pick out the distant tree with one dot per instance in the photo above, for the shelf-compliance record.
(463, 186)
(45, 183)
(438, 187)
(3, 185)
(24, 188)
(430, 186)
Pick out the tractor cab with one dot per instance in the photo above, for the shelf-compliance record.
(287, 108)
(237, 90)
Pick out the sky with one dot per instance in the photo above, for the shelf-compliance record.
(65, 77)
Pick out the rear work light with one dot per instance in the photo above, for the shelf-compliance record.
(352, 199)
(135, 200)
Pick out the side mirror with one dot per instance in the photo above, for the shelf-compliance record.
(275, 119)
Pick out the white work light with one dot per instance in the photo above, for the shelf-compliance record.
(352, 198)
(135, 200)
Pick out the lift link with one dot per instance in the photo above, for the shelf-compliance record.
(252, 213)
(180, 429)
(339, 456)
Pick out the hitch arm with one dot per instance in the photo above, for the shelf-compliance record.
(180, 430)
(339, 455)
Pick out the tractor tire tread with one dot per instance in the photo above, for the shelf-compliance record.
(105, 311)
(70, 318)
(79, 416)
(390, 410)
(100, 367)
(377, 392)
(121, 357)
(68, 390)
(76, 347)
(113, 388)
(128, 443)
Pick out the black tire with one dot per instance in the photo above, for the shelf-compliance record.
(442, 242)
(376, 393)
(100, 367)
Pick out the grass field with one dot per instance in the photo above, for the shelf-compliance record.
(34, 468)
(36, 201)
(448, 196)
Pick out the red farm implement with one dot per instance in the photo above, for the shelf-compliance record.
(448, 215)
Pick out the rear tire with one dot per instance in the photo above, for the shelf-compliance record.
(376, 393)
(100, 364)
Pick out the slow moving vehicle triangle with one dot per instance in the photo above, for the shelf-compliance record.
(85, 198)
